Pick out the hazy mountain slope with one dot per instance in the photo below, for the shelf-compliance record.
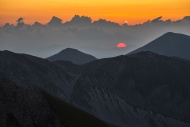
(169, 44)
(72, 55)
(136, 90)
(20, 107)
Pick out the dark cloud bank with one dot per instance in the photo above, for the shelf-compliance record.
(98, 38)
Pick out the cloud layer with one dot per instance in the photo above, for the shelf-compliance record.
(98, 38)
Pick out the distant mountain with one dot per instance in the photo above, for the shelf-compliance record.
(169, 44)
(72, 55)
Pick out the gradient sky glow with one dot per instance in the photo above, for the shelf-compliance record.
(135, 11)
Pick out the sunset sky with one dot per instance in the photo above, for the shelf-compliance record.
(134, 11)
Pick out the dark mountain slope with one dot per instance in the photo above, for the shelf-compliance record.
(73, 115)
(32, 72)
(69, 66)
(139, 90)
(29, 71)
(72, 55)
(145, 80)
(169, 44)
(20, 107)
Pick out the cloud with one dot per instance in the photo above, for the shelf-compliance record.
(156, 20)
(98, 38)
(37, 24)
(55, 21)
(80, 21)
(20, 22)
(105, 23)
(185, 20)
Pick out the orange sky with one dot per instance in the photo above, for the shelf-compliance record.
(135, 11)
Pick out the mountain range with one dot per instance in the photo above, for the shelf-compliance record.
(143, 89)
(122, 91)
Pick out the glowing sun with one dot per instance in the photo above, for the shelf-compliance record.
(121, 45)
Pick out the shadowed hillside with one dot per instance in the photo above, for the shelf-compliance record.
(20, 107)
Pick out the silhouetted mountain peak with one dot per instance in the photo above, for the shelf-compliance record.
(175, 40)
(69, 50)
(172, 34)
(169, 44)
(73, 55)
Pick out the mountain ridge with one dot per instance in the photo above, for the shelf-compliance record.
(73, 55)
(169, 44)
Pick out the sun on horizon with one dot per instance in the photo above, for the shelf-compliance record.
(121, 45)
